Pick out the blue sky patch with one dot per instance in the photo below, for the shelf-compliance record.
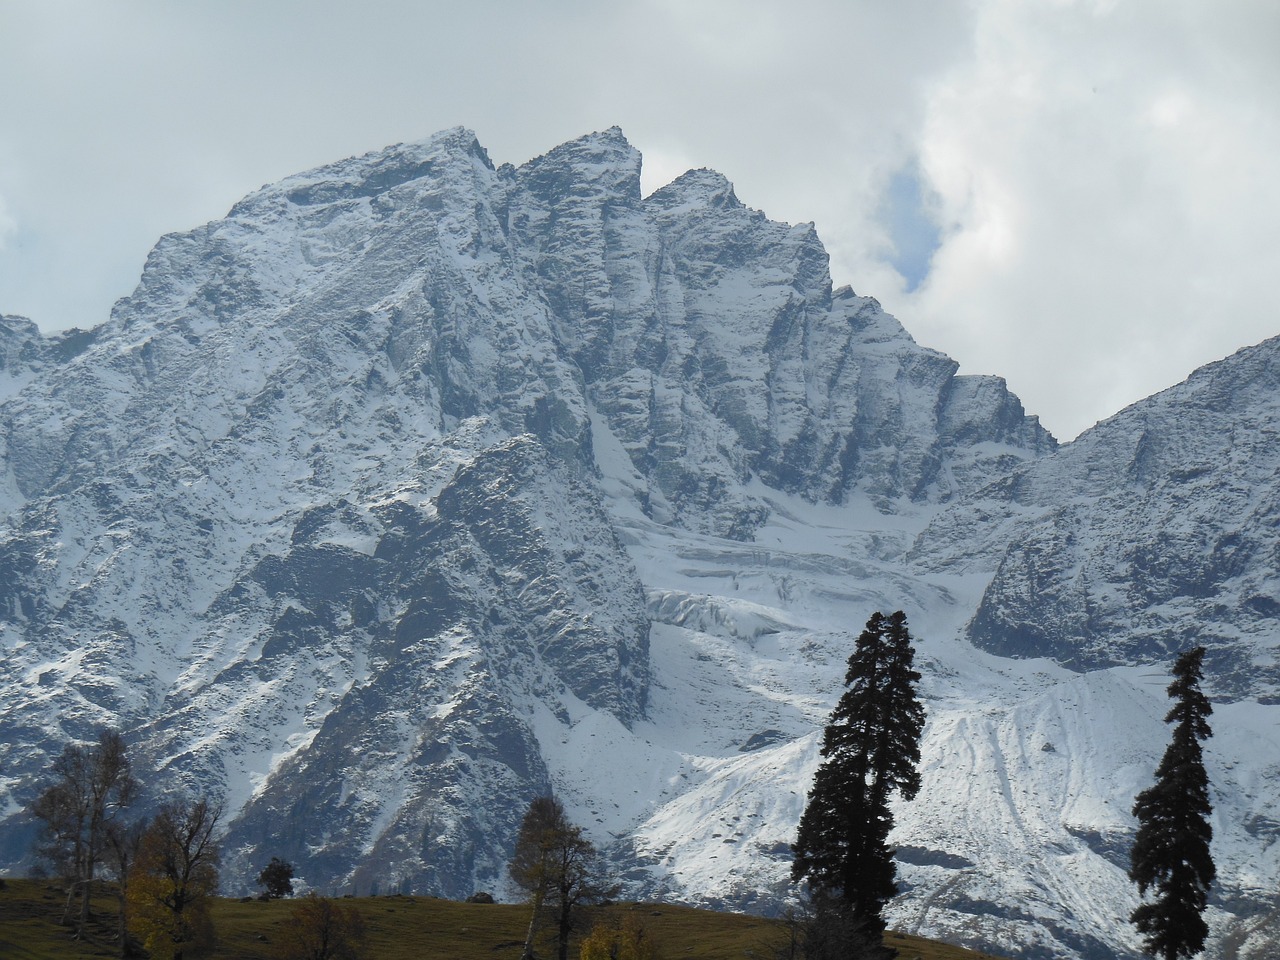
(913, 231)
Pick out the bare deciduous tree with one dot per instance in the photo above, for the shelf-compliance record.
(321, 929)
(92, 786)
(123, 841)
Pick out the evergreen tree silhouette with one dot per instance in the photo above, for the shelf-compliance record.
(871, 748)
(1171, 853)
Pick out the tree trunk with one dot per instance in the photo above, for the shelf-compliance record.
(66, 907)
(527, 953)
(122, 895)
(84, 899)
(566, 924)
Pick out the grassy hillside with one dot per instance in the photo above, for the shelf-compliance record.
(412, 928)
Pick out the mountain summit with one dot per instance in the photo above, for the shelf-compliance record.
(418, 486)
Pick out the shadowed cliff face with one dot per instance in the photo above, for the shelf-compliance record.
(512, 591)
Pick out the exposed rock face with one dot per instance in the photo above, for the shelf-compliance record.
(1153, 532)
(20, 345)
(418, 486)
(711, 340)
(513, 590)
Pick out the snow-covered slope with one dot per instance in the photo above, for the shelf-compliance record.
(418, 486)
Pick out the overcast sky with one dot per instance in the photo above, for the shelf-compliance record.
(1081, 197)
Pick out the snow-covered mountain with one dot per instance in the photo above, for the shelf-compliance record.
(418, 486)
(1155, 530)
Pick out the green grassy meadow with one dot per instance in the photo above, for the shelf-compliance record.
(411, 928)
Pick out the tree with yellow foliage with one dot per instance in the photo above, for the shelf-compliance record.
(620, 940)
(321, 929)
(558, 867)
(174, 876)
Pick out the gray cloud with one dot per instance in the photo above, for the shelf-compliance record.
(1098, 167)
(1104, 171)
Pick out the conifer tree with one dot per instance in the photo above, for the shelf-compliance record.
(1171, 853)
(276, 879)
(871, 748)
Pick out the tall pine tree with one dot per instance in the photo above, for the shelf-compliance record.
(872, 749)
(1171, 851)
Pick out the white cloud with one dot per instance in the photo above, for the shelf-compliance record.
(1111, 201)
(1101, 169)
(8, 225)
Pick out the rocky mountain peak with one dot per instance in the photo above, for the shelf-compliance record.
(602, 165)
(1152, 532)
(701, 187)
(20, 343)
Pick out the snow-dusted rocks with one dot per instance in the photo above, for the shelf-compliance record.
(508, 589)
(1153, 532)
(712, 343)
(21, 346)
(417, 486)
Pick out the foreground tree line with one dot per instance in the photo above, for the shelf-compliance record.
(166, 867)
(871, 750)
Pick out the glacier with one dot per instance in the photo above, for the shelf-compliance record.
(419, 485)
